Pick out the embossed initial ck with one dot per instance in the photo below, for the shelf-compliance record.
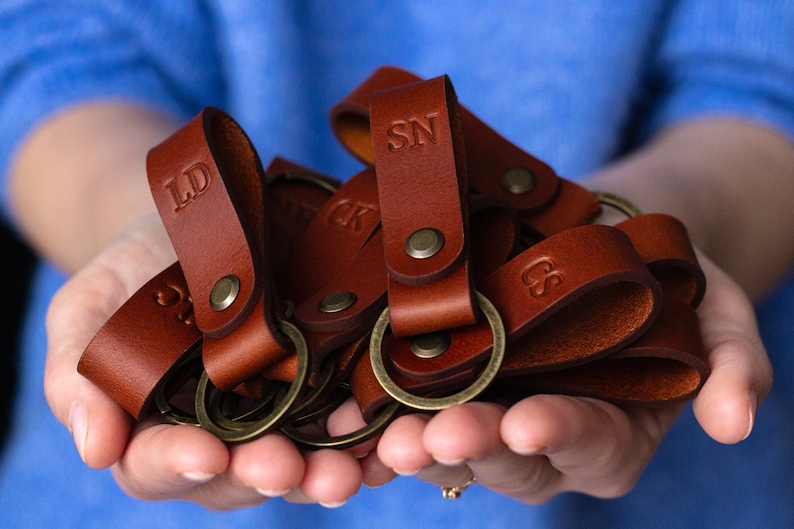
(175, 297)
(541, 276)
(349, 215)
(412, 133)
(189, 185)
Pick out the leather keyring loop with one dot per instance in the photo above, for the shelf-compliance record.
(439, 403)
(210, 415)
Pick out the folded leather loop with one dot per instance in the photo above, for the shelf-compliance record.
(208, 184)
(143, 342)
(490, 155)
(339, 230)
(422, 188)
(663, 244)
(590, 273)
(666, 364)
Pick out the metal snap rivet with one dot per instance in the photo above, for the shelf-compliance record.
(430, 345)
(424, 243)
(518, 180)
(224, 292)
(336, 302)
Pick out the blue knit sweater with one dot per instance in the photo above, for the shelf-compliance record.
(576, 83)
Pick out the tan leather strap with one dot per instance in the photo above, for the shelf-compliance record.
(420, 164)
(140, 345)
(208, 185)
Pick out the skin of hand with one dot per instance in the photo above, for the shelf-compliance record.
(573, 443)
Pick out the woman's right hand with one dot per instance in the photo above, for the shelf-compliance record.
(151, 460)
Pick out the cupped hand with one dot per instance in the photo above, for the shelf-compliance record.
(151, 460)
(548, 444)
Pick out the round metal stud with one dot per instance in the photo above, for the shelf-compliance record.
(424, 243)
(518, 180)
(224, 292)
(430, 345)
(336, 302)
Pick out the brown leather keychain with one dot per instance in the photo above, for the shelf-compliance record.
(454, 266)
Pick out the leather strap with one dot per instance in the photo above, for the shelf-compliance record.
(208, 185)
(143, 342)
(422, 191)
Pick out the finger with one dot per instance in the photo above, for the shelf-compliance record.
(374, 472)
(470, 434)
(78, 310)
(166, 462)
(271, 465)
(741, 374)
(401, 447)
(592, 446)
(331, 477)
(99, 427)
(346, 419)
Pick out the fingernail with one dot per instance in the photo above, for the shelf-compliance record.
(406, 472)
(527, 450)
(753, 406)
(197, 477)
(449, 462)
(332, 505)
(78, 426)
(272, 493)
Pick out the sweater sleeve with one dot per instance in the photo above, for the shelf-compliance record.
(728, 58)
(161, 55)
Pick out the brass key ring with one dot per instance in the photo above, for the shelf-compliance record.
(312, 409)
(170, 413)
(617, 202)
(317, 403)
(343, 442)
(440, 403)
(210, 414)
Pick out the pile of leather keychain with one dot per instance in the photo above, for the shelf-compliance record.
(454, 267)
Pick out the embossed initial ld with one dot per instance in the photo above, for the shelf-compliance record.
(411, 133)
(541, 276)
(189, 185)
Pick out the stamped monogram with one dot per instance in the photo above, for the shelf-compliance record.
(350, 215)
(189, 185)
(176, 298)
(541, 276)
(410, 133)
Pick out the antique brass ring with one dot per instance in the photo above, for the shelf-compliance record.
(170, 413)
(306, 410)
(434, 404)
(297, 175)
(242, 417)
(617, 202)
(208, 401)
(343, 442)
